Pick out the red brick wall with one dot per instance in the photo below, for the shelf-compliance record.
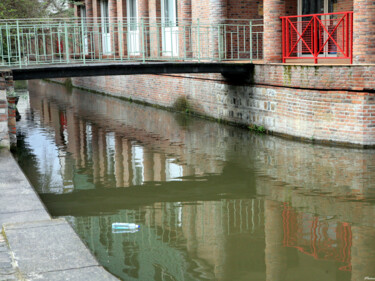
(363, 31)
(321, 103)
(343, 6)
(200, 10)
(273, 10)
(245, 9)
(88, 7)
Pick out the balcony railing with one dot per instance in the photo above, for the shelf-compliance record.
(318, 36)
(84, 40)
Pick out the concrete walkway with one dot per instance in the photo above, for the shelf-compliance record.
(32, 245)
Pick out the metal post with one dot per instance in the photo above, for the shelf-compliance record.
(143, 41)
(83, 42)
(120, 30)
(219, 42)
(59, 41)
(287, 37)
(51, 37)
(44, 44)
(283, 37)
(8, 43)
(66, 43)
(351, 38)
(315, 42)
(251, 40)
(1, 46)
(19, 44)
(347, 34)
(184, 41)
(199, 43)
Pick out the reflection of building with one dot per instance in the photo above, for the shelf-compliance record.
(215, 237)
(182, 241)
(134, 155)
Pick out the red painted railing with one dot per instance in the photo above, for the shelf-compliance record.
(318, 36)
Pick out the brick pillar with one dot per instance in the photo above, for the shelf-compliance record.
(218, 11)
(119, 168)
(97, 28)
(363, 29)
(89, 16)
(127, 162)
(272, 47)
(112, 6)
(275, 252)
(148, 165)
(154, 12)
(143, 14)
(218, 14)
(4, 136)
(76, 11)
(89, 10)
(184, 18)
(121, 14)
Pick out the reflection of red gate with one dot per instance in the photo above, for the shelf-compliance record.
(318, 36)
(321, 239)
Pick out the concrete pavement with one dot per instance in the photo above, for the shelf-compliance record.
(32, 245)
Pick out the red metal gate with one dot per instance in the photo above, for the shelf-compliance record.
(318, 36)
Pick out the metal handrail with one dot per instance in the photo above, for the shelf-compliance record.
(318, 36)
(25, 42)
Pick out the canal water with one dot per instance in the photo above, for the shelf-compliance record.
(213, 202)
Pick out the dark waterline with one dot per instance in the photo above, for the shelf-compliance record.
(213, 202)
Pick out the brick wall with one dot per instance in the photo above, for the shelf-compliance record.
(273, 10)
(245, 9)
(334, 104)
(363, 31)
(4, 136)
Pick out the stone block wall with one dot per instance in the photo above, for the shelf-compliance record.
(317, 103)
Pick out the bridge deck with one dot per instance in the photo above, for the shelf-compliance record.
(129, 68)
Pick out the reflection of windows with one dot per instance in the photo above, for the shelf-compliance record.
(173, 171)
(105, 15)
(132, 14)
(170, 12)
(85, 39)
(110, 141)
(137, 164)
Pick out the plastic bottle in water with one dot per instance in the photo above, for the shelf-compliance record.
(124, 226)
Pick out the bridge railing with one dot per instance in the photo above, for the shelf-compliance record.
(77, 40)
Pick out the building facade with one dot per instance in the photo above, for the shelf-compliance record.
(313, 72)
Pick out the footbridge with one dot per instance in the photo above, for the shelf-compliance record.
(53, 48)
(129, 68)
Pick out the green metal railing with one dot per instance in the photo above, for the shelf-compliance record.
(85, 40)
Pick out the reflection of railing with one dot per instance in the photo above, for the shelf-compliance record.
(318, 36)
(52, 41)
(321, 239)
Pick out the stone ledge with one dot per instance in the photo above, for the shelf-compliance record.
(41, 248)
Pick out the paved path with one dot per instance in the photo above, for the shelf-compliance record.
(7, 271)
(32, 245)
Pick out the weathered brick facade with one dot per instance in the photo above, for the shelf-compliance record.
(320, 103)
(363, 31)
(316, 103)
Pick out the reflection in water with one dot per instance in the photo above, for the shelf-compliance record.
(214, 202)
